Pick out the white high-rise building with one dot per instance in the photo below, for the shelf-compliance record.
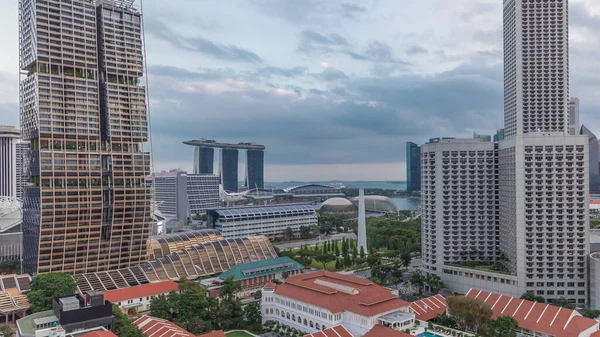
(9, 136)
(540, 177)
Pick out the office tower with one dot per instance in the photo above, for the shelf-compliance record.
(483, 138)
(9, 136)
(204, 160)
(255, 167)
(87, 206)
(542, 183)
(181, 195)
(574, 116)
(413, 167)
(499, 136)
(228, 169)
(593, 160)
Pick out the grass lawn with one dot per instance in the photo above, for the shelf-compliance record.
(318, 265)
(238, 334)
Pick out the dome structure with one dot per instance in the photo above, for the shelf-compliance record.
(339, 207)
(378, 203)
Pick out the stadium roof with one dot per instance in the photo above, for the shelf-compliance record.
(236, 213)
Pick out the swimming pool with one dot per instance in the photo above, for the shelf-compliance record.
(427, 334)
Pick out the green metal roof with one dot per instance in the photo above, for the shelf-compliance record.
(261, 268)
(26, 324)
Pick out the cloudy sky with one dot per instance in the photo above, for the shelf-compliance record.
(333, 88)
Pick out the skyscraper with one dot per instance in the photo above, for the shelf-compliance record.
(255, 164)
(228, 169)
(9, 136)
(87, 206)
(204, 158)
(540, 176)
(593, 160)
(413, 167)
(574, 116)
(22, 165)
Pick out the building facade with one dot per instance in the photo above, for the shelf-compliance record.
(272, 221)
(320, 300)
(413, 167)
(83, 108)
(138, 298)
(22, 167)
(574, 116)
(594, 168)
(533, 237)
(181, 195)
(9, 136)
(255, 169)
(228, 169)
(204, 158)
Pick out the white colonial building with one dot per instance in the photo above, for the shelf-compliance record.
(317, 301)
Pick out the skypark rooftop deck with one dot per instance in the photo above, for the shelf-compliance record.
(215, 144)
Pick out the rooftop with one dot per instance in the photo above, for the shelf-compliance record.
(144, 290)
(261, 268)
(156, 327)
(338, 293)
(26, 324)
(335, 331)
(382, 331)
(429, 308)
(214, 144)
(539, 317)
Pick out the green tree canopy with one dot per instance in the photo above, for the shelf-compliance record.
(45, 287)
(504, 326)
(563, 302)
(469, 313)
(530, 296)
(123, 326)
(591, 313)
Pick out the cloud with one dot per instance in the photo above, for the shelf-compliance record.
(267, 72)
(199, 44)
(331, 74)
(416, 50)
(351, 10)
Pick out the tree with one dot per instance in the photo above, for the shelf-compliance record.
(591, 313)
(288, 233)
(337, 264)
(305, 232)
(469, 313)
(258, 294)
(362, 252)
(285, 274)
(123, 326)
(45, 287)
(434, 282)
(406, 259)
(160, 307)
(252, 316)
(6, 331)
(354, 253)
(502, 326)
(373, 259)
(530, 296)
(324, 259)
(336, 248)
(418, 280)
(562, 302)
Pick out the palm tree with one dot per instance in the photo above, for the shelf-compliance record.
(6, 331)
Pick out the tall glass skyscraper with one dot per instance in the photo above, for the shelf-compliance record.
(255, 167)
(413, 167)
(204, 158)
(83, 108)
(228, 169)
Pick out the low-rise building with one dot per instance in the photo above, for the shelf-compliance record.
(253, 275)
(316, 301)
(137, 298)
(271, 221)
(429, 308)
(69, 314)
(538, 319)
(157, 327)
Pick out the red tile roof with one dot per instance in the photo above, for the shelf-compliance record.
(99, 334)
(336, 331)
(534, 316)
(143, 290)
(429, 308)
(156, 327)
(270, 285)
(338, 293)
(218, 333)
(382, 331)
(595, 334)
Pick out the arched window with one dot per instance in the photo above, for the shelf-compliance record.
(287, 315)
(277, 311)
(312, 325)
(318, 326)
(305, 323)
(323, 327)
(293, 317)
(299, 320)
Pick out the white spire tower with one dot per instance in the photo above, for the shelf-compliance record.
(362, 221)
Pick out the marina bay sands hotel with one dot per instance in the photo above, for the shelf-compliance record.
(204, 155)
